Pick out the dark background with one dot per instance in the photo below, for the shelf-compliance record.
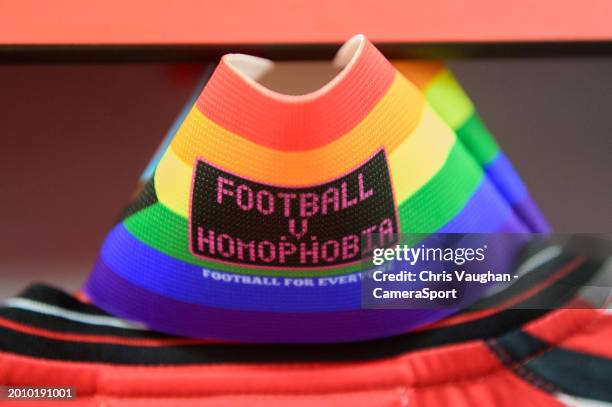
(75, 138)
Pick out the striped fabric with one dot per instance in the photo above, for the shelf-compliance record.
(447, 175)
(505, 355)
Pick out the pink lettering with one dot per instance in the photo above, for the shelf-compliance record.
(225, 252)
(363, 195)
(330, 196)
(309, 204)
(221, 181)
(350, 247)
(261, 249)
(302, 232)
(286, 197)
(335, 247)
(241, 246)
(239, 198)
(368, 235)
(386, 232)
(346, 203)
(269, 207)
(203, 240)
(285, 249)
(313, 252)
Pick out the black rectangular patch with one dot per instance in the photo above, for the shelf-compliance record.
(236, 220)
